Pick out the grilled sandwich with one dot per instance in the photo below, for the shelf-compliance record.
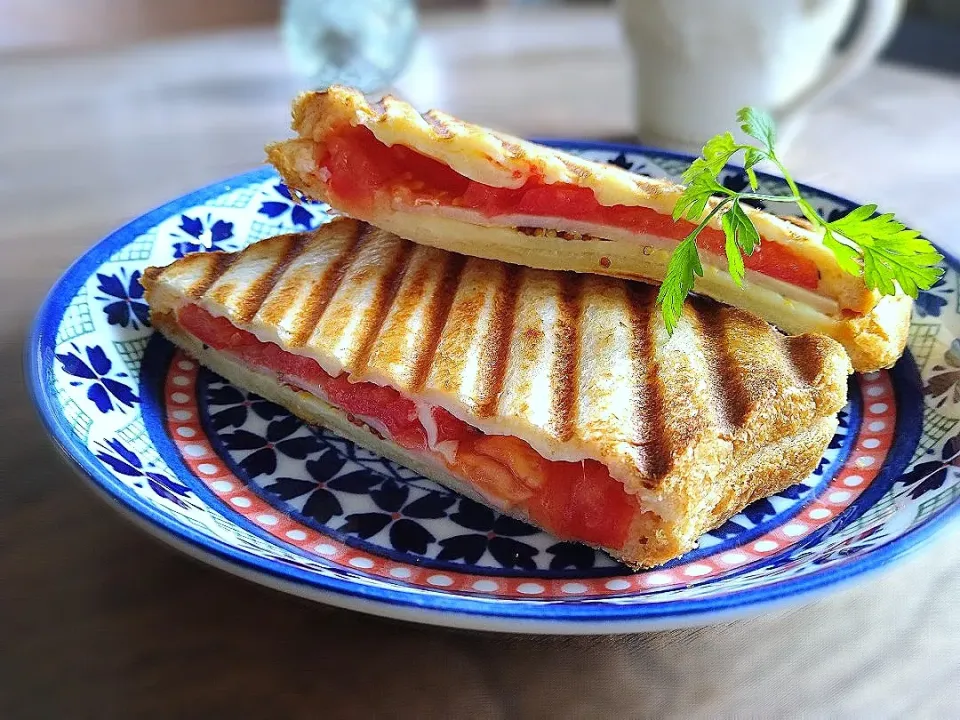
(555, 397)
(439, 181)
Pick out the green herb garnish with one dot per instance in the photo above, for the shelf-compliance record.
(882, 250)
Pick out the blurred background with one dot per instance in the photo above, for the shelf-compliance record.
(194, 89)
(111, 107)
(448, 53)
(929, 35)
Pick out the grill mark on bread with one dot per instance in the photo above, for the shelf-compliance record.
(439, 125)
(381, 304)
(577, 169)
(463, 327)
(809, 356)
(566, 363)
(510, 146)
(792, 375)
(220, 263)
(806, 356)
(264, 285)
(644, 426)
(732, 395)
(405, 336)
(436, 318)
(497, 346)
(321, 292)
(467, 151)
(649, 404)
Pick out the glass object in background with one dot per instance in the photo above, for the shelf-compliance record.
(362, 43)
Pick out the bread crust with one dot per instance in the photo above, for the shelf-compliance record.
(873, 341)
(577, 366)
(653, 540)
(873, 329)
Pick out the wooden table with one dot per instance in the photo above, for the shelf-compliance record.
(98, 621)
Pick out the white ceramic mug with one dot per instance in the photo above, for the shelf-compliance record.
(697, 62)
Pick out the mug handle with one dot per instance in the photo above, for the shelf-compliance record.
(880, 20)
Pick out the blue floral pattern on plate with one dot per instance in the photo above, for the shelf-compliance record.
(94, 370)
(128, 464)
(97, 373)
(428, 521)
(300, 216)
(205, 233)
(122, 295)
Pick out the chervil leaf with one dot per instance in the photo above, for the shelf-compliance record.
(742, 227)
(741, 237)
(809, 212)
(891, 252)
(854, 217)
(758, 124)
(734, 258)
(889, 256)
(693, 201)
(912, 267)
(847, 257)
(697, 168)
(684, 265)
(751, 157)
(701, 177)
(716, 154)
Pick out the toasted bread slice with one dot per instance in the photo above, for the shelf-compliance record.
(575, 368)
(439, 181)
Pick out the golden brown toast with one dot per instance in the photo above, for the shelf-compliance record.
(872, 328)
(577, 366)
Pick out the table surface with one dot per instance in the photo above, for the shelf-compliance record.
(98, 620)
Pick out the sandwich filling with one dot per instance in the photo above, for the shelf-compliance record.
(577, 500)
(360, 172)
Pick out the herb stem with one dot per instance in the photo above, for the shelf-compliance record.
(768, 198)
(877, 247)
(703, 223)
(805, 207)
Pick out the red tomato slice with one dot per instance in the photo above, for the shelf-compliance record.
(575, 500)
(490, 200)
(769, 259)
(220, 334)
(217, 332)
(550, 509)
(450, 427)
(397, 413)
(357, 168)
(360, 166)
(558, 200)
(584, 502)
(600, 508)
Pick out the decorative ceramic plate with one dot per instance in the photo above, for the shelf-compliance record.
(241, 483)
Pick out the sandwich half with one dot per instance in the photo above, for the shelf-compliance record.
(439, 181)
(555, 397)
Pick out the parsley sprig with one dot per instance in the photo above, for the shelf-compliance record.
(879, 248)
